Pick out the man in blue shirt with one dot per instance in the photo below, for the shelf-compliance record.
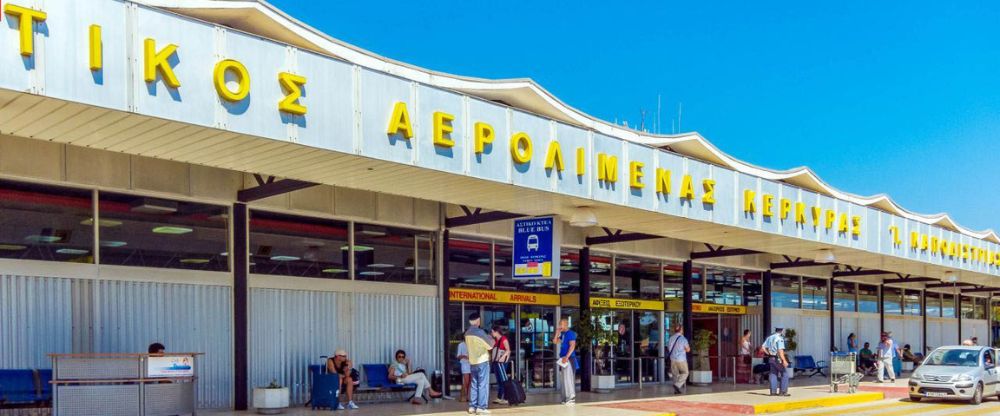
(677, 350)
(774, 348)
(566, 338)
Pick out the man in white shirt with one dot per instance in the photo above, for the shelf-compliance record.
(886, 351)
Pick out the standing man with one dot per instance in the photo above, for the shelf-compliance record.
(774, 349)
(677, 350)
(566, 338)
(887, 350)
(479, 344)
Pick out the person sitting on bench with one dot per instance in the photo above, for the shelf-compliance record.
(867, 360)
(909, 356)
(340, 365)
(400, 373)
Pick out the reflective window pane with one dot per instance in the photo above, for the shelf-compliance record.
(600, 275)
(892, 300)
(947, 305)
(868, 298)
(298, 246)
(154, 232)
(752, 288)
(912, 301)
(387, 254)
(785, 292)
(469, 263)
(843, 296)
(569, 271)
(46, 223)
(814, 294)
(724, 286)
(673, 281)
(637, 278)
(933, 304)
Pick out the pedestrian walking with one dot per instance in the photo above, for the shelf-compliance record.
(677, 350)
(886, 351)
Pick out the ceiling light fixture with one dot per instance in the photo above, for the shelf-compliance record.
(950, 276)
(113, 244)
(284, 258)
(154, 206)
(72, 251)
(825, 255)
(102, 222)
(167, 229)
(583, 217)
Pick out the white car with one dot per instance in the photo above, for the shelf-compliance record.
(957, 373)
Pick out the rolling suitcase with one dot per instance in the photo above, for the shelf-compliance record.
(512, 390)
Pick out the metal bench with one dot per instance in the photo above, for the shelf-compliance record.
(806, 364)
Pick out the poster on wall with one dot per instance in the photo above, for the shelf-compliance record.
(536, 248)
(170, 366)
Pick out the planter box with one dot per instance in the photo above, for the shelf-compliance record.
(699, 377)
(270, 401)
(602, 384)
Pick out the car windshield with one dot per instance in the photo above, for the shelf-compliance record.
(953, 358)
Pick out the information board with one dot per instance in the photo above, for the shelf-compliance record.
(536, 248)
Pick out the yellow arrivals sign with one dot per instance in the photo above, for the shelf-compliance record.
(723, 309)
(611, 303)
(496, 296)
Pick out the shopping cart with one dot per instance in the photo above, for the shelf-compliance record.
(843, 370)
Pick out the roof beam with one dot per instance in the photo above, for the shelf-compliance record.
(721, 251)
(618, 237)
(479, 217)
(796, 263)
(858, 272)
(910, 280)
(271, 187)
(947, 285)
(980, 289)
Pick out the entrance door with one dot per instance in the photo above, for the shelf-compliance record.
(701, 360)
(536, 359)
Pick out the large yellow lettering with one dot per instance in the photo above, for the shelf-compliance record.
(709, 186)
(607, 168)
(830, 218)
(894, 232)
(800, 213)
(935, 245)
(914, 240)
(635, 175)
(856, 225)
(159, 62)
(923, 242)
(816, 215)
(292, 84)
(443, 129)
(749, 201)
(663, 181)
(687, 187)
(26, 19)
(842, 225)
(785, 207)
(581, 161)
(96, 48)
(554, 157)
(483, 136)
(520, 148)
(399, 121)
(242, 78)
(767, 205)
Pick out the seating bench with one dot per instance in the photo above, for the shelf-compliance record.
(377, 381)
(806, 363)
(21, 387)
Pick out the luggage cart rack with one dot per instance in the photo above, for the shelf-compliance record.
(844, 370)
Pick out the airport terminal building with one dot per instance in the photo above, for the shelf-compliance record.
(220, 177)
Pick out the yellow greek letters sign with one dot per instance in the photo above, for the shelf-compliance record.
(496, 296)
(634, 304)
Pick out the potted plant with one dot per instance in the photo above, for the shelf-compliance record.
(591, 335)
(702, 372)
(790, 346)
(271, 399)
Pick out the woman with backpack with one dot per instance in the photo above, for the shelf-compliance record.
(500, 361)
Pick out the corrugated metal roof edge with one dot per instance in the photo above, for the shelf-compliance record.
(556, 108)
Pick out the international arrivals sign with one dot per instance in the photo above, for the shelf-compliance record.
(135, 59)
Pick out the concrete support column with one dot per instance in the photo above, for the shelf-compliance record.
(587, 362)
(923, 320)
(766, 323)
(829, 302)
(881, 309)
(958, 314)
(687, 316)
(445, 304)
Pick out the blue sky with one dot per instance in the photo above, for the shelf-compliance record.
(900, 98)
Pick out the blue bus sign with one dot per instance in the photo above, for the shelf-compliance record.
(536, 248)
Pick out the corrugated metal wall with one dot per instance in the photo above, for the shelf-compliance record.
(41, 315)
(291, 329)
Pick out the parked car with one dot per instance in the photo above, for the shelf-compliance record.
(957, 373)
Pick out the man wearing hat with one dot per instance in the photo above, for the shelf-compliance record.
(340, 365)
(479, 344)
(774, 349)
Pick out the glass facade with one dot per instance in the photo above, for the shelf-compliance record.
(933, 304)
(298, 246)
(868, 298)
(470, 263)
(785, 291)
(723, 286)
(600, 275)
(637, 278)
(814, 294)
(47, 223)
(844, 296)
(155, 232)
(947, 305)
(911, 302)
(892, 300)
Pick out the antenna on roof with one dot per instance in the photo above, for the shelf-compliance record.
(658, 125)
(642, 119)
(679, 108)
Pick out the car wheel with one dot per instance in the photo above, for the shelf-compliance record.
(977, 396)
(915, 398)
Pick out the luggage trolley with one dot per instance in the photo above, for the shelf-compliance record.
(844, 370)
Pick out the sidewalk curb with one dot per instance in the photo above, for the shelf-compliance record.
(821, 402)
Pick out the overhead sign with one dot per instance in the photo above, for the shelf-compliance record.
(170, 366)
(636, 304)
(496, 296)
(536, 248)
(723, 309)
